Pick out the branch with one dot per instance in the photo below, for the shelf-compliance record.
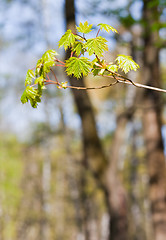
(143, 86)
(93, 88)
(120, 79)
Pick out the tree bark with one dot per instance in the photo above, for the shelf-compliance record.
(118, 197)
(93, 152)
(94, 157)
(152, 123)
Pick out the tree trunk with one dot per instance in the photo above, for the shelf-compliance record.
(93, 153)
(118, 196)
(94, 157)
(152, 124)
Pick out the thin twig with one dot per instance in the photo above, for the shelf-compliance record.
(57, 60)
(55, 77)
(98, 32)
(143, 86)
(93, 88)
(125, 80)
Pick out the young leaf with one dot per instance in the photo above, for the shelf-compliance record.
(126, 63)
(78, 48)
(32, 95)
(112, 68)
(107, 27)
(39, 80)
(96, 46)
(67, 40)
(84, 28)
(29, 76)
(46, 66)
(45, 62)
(49, 55)
(96, 69)
(39, 67)
(64, 85)
(78, 66)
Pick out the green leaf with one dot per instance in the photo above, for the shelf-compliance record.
(126, 63)
(49, 55)
(84, 28)
(45, 63)
(112, 68)
(78, 66)
(107, 27)
(96, 69)
(96, 46)
(39, 80)
(31, 94)
(78, 48)
(39, 67)
(67, 40)
(46, 66)
(29, 76)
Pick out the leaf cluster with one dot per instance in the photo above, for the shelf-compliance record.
(33, 93)
(77, 64)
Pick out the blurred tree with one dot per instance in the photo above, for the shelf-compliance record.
(94, 156)
(152, 118)
(150, 44)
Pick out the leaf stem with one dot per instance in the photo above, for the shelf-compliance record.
(98, 32)
(57, 60)
(55, 77)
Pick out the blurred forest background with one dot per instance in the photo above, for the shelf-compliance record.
(83, 165)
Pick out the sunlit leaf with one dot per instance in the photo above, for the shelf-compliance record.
(126, 63)
(96, 68)
(78, 67)
(84, 27)
(96, 46)
(30, 75)
(31, 94)
(78, 48)
(107, 27)
(39, 80)
(45, 63)
(49, 55)
(112, 67)
(67, 40)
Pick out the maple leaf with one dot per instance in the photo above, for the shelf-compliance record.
(78, 66)
(112, 68)
(67, 40)
(126, 63)
(78, 48)
(84, 28)
(31, 94)
(96, 46)
(45, 62)
(107, 27)
(29, 76)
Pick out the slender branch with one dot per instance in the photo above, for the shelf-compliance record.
(71, 55)
(60, 65)
(57, 60)
(98, 32)
(93, 88)
(117, 80)
(125, 80)
(143, 86)
(55, 77)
